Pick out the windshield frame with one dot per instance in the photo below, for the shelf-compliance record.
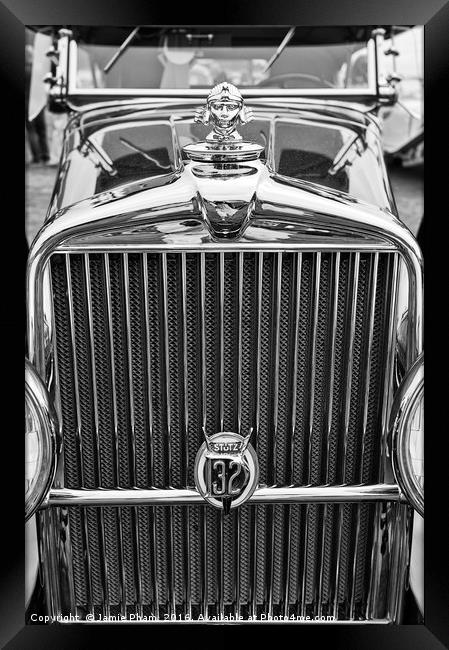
(66, 88)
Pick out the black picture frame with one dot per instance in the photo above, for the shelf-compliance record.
(434, 15)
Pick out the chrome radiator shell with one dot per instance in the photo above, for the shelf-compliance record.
(70, 235)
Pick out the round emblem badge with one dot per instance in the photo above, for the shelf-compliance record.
(226, 470)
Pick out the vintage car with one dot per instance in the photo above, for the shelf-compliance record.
(224, 383)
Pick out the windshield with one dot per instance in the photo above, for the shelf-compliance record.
(183, 58)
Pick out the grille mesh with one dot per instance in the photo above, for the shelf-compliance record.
(265, 571)
(161, 391)
(151, 348)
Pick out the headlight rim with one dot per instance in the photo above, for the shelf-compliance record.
(36, 392)
(410, 392)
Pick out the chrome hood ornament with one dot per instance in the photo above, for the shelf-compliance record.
(224, 110)
(226, 206)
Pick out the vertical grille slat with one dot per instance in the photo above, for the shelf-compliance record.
(157, 350)
(254, 529)
(367, 361)
(171, 601)
(151, 473)
(277, 285)
(187, 601)
(236, 515)
(101, 521)
(327, 514)
(202, 316)
(132, 423)
(344, 511)
(221, 336)
(85, 528)
(388, 363)
(117, 514)
(310, 518)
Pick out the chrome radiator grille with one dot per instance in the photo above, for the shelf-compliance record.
(273, 560)
(153, 349)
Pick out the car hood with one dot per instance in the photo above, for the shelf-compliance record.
(320, 147)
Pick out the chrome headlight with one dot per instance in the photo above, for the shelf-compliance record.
(40, 441)
(407, 435)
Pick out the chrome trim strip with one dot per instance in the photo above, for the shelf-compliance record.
(47, 572)
(155, 496)
(54, 382)
(402, 413)
(277, 284)
(355, 265)
(372, 302)
(372, 605)
(171, 567)
(295, 356)
(237, 514)
(204, 584)
(78, 429)
(400, 554)
(403, 527)
(258, 345)
(122, 571)
(253, 562)
(221, 565)
(101, 528)
(50, 426)
(254, 512)
(53, 545)
(92, 358)
(109, 246)
(240, 257)
(184, 361)
(249, 93)
(154, 560)
(107, 273)
(185, 435)
(237, 517)
(297, 280)
(389, 363)
(311, 376)
(203, 338)
(134, 518)
(166, 368)
(166, 359)
(221, 338)
(129, 359)
(333, 334)
(350, 355)
(148, 366)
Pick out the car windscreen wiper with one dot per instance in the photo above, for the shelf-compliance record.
(285, 41)
(122, 49)
(346, 154)
(102, 158)
(144, 154)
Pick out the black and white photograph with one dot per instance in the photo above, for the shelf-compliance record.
(224, 382)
